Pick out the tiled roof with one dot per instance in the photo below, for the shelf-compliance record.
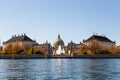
(99, 38)
(19, 38)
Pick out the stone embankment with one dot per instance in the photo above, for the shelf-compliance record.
(38, 56)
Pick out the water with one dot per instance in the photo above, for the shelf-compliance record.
(60, 69)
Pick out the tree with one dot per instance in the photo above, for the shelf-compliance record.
(8, 49)
(13, 48)
(114, 50)
(36, 50)
(94, 46)
(17, 48)
(39, 50)
(84, 50)
(26, 47)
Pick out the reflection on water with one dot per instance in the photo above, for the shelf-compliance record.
(60, 69)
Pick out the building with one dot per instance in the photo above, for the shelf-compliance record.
(22, 40)
(47, 46)
(58, 46)
(72, 46)
(103, 41)
(58, 42)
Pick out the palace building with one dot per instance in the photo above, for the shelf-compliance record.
(22, 40)
(103, 41)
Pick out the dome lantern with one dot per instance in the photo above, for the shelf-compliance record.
(58, 36)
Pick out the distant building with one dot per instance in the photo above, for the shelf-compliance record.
(103, 41)
(23, 40)
(47, 46)
(73, 45)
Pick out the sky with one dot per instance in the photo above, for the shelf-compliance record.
(74, 20)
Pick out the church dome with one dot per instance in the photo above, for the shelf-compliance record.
(58, 42)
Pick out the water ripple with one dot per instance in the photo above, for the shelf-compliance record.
(60, 69)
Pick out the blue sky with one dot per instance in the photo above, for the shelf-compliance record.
(72, 19)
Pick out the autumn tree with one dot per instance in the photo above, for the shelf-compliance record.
(17, 48)
(82, 50)
(94, 46)
(13, 48)
(114, 50)
(8, 48)
(26, 47)
(36, 50)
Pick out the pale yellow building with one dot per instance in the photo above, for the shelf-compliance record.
(103, 41)
(22, 40)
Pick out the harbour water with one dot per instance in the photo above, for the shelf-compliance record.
(60, 69)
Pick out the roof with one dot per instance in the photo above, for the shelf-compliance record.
(71, 43)
(58, 41)
(99, 38)
(19, 38)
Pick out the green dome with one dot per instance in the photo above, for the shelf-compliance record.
(58, 42)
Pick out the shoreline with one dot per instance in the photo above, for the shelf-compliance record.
(38, 56)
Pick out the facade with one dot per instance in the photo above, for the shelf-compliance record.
(103, 41)
(47, 46)
(22, 40)
(72, 46)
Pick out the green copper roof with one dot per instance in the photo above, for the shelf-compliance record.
(58, 42)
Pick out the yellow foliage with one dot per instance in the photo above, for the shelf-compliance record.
(114, 51)
(36, 50)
